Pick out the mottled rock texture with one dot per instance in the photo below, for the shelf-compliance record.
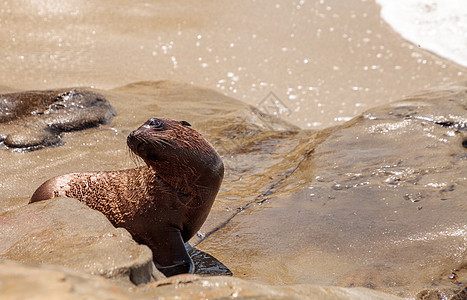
(18, 281)
(377, 202)
(34, 119)
(64, 232)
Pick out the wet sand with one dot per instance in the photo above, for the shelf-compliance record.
(327, 61)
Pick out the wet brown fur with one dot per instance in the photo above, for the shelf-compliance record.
(158, 203)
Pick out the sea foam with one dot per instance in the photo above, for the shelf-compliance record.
(439, 26)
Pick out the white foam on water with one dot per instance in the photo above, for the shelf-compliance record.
(439, 26)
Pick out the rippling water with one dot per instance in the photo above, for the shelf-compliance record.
(322, 61)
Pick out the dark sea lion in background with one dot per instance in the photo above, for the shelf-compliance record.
(34, 119)
(162, 204)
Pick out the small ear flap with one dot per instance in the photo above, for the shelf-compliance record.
(185, 123)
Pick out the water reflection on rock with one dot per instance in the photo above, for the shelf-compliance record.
(369, 203)
(206, 264)
(34, 119)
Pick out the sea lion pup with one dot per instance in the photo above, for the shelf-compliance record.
(162, 204)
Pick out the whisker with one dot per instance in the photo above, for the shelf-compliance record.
(165, 142)
(134, 158)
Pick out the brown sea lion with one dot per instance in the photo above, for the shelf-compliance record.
(162, 204)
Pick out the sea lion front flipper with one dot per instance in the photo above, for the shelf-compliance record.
(170, 255)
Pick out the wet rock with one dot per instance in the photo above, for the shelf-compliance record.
(33, 119)
(12, 204)
(19, 281)
(377, 202)
(195, 287)
(206, 264)
(65, 232)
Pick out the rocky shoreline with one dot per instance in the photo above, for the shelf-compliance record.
(375, 205)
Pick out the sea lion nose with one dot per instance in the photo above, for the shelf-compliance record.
(135, 138)
(131, 138)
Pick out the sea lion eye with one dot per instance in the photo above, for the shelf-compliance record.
(156, 123)
(185, 123)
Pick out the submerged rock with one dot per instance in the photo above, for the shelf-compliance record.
(33, 119)
(65, 232)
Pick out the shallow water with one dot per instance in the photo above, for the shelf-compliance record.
(326, 61)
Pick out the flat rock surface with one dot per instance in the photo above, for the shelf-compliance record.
(19, 281)
(65, 232)
(378, 202)
(221, 287)
(33, 119)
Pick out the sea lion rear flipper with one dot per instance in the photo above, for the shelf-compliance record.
(44, 191)
(170, 255)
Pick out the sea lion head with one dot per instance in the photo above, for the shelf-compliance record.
(177, 152)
